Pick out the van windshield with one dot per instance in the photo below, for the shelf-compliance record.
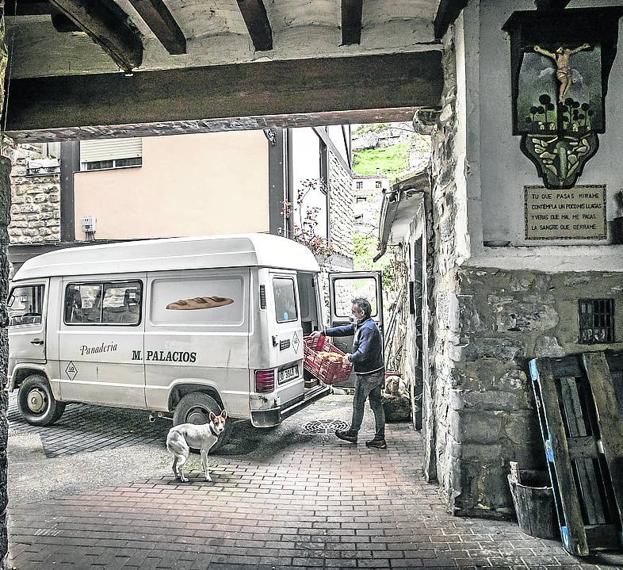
(25, 305)
(285, 299)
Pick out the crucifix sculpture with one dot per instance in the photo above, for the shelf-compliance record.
(561, 58)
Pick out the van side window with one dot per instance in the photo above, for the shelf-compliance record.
(198, 300)
(103, 303)
(25, 305)
(285, 299)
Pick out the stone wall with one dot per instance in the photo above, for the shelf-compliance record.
(5, 206)
(444, 333)
(36, 192)
(341, 220)
(487, 322)
(506, 318)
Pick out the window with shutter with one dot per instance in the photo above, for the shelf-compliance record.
(113, 153)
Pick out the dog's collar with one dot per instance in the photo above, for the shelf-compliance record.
(212, 430)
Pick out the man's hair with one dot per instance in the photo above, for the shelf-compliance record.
(363, 305)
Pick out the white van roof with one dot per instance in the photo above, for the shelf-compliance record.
(260, 250)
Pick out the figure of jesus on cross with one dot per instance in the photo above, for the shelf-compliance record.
(561, 58)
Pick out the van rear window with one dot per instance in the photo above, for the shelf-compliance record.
(285, 299)
(103, 303)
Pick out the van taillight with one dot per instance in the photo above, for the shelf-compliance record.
(264, 380)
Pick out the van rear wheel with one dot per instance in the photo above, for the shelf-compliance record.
(195, 408)
(36, 403)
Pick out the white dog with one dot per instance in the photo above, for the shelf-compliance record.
(203, 437)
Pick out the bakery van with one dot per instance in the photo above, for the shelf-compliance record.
(178, 327)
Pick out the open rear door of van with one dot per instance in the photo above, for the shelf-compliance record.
(346, 286)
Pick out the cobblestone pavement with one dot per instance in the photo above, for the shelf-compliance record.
(299, 499)
(88, 428)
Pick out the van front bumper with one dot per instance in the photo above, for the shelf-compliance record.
(274, 416)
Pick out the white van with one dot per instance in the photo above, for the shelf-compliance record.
(177, 327)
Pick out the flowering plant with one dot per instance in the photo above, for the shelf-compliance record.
(306, 225)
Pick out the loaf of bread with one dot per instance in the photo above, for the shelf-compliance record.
(331, 356)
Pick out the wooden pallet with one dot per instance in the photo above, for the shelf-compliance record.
(580, 407)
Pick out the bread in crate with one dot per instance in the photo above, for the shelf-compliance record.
(325, 361)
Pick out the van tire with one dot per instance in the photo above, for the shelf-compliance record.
(36, 403)
(192, 407)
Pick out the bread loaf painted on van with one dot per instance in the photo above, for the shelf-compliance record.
(199, 303)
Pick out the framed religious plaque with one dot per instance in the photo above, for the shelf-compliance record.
(559, 214)
(560, 61)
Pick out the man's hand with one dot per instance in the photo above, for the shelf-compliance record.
(315, 335)
(345, 359)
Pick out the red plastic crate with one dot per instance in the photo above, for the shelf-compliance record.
(323, 369)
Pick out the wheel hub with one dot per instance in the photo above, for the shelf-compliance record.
(36, 401)
(197, 416)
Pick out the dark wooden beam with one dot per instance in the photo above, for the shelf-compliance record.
(108, 26)
(26, 7)
(254, 14)
(157, 16)
(62, 23)
(351, 21)
(447, 12)
(243, 96)
(226, 124)
(551, 4)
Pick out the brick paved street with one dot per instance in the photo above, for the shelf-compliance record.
(301, 500)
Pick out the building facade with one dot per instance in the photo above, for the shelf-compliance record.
(368, 195)
(501, 269)
(203, 184)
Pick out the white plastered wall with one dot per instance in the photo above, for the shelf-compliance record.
(495, 169)
(202, 184)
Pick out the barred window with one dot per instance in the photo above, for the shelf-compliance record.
(596, 321)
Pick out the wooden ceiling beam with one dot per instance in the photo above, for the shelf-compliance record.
(256, 20)
(243, 96)
(159, 19)
(447, 12)
(108, 26)
(27, 8)
(551, 4)
(351, 21)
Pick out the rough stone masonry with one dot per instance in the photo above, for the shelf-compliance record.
(35, 203)
(502, 318)
(5, 207)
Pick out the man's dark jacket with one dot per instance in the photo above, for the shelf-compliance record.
(367, 355)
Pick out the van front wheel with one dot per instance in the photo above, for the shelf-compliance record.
(36, 403)
(195, 408)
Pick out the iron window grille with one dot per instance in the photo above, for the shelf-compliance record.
(596, 321)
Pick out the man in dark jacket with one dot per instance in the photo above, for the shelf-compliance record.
(367, 359)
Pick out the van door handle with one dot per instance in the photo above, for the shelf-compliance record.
(36, 341)
(275, 343)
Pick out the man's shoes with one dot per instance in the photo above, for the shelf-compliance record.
(377, 443)
(346, 436)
